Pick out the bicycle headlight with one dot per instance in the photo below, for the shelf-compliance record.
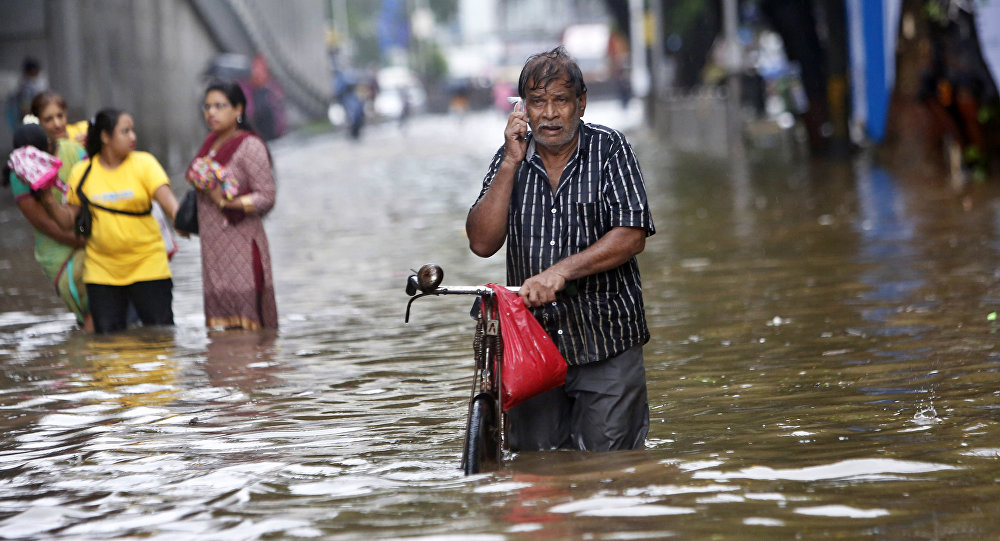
(429, 277)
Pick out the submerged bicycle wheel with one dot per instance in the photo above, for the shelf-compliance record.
(481, 442)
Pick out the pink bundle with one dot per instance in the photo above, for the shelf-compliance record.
(205, 173)
(37, 168)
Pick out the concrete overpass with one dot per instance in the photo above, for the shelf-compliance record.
(148, 57)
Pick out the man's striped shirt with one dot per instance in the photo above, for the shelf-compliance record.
(601, 188)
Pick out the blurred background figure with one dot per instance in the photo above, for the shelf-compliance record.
(348, 108)
(18, 102)
(953, 87)
(501, 91)
(458, 97)
(265, 101)
(618, 58)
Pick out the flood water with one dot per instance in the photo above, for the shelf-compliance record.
(822, 365)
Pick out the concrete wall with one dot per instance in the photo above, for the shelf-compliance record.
(292, 37)
(147, 57)
(22, 33)
(141, 56)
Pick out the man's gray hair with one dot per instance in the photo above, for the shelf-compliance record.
(543, 68)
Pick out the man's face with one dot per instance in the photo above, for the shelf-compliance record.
(554, 112)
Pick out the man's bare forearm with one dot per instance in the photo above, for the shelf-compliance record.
(610, 251)
(486, 224)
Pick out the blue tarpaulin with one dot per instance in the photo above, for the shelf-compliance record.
(393, 26)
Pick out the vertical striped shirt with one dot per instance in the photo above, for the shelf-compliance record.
(601, 188)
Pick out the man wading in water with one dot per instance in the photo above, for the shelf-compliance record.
(569, 200)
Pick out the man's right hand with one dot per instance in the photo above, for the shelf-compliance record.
(542, 288)
(486, 224)
(515, 135)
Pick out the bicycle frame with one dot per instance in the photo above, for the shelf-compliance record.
(488, 348)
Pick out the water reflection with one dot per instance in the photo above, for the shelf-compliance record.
(888, 233)
(821, 362)
(245, 360)
(136, 368)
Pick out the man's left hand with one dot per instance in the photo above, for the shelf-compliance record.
(542, 288)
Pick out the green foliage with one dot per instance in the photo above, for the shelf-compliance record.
(429, 62)
(362, 30)
(685, 15)
(941, 11)
(444, 10)
(936, 12)
(986, 114)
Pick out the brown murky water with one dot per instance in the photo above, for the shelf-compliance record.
(822, 366)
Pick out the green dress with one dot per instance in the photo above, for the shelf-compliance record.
(62, 264)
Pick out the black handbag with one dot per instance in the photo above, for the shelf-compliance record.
(84, 220)
(186, 220)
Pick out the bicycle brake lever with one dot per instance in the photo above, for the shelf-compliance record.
(412, 285)
(406, 318)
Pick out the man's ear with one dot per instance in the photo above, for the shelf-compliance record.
(582, 102)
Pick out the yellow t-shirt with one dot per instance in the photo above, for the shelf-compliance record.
(122, 249)
(76, 129)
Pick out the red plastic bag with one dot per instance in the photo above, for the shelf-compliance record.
(531, 362)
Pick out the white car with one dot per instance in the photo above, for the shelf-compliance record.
(397, 87)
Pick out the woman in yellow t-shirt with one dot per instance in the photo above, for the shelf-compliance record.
(126, 260)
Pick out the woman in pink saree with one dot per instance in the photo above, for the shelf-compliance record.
(235, 182)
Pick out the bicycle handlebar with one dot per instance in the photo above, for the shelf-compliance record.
(453, 290)
(426, 282)
(465, 290)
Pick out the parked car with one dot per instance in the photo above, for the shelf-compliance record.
(399, 92)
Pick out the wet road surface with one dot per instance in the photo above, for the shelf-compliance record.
(822, 365)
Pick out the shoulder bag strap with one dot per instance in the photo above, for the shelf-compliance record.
(86, 201)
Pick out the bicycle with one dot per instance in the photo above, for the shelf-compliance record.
(485, 429)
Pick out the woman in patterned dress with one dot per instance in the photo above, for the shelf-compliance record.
(235, 258)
